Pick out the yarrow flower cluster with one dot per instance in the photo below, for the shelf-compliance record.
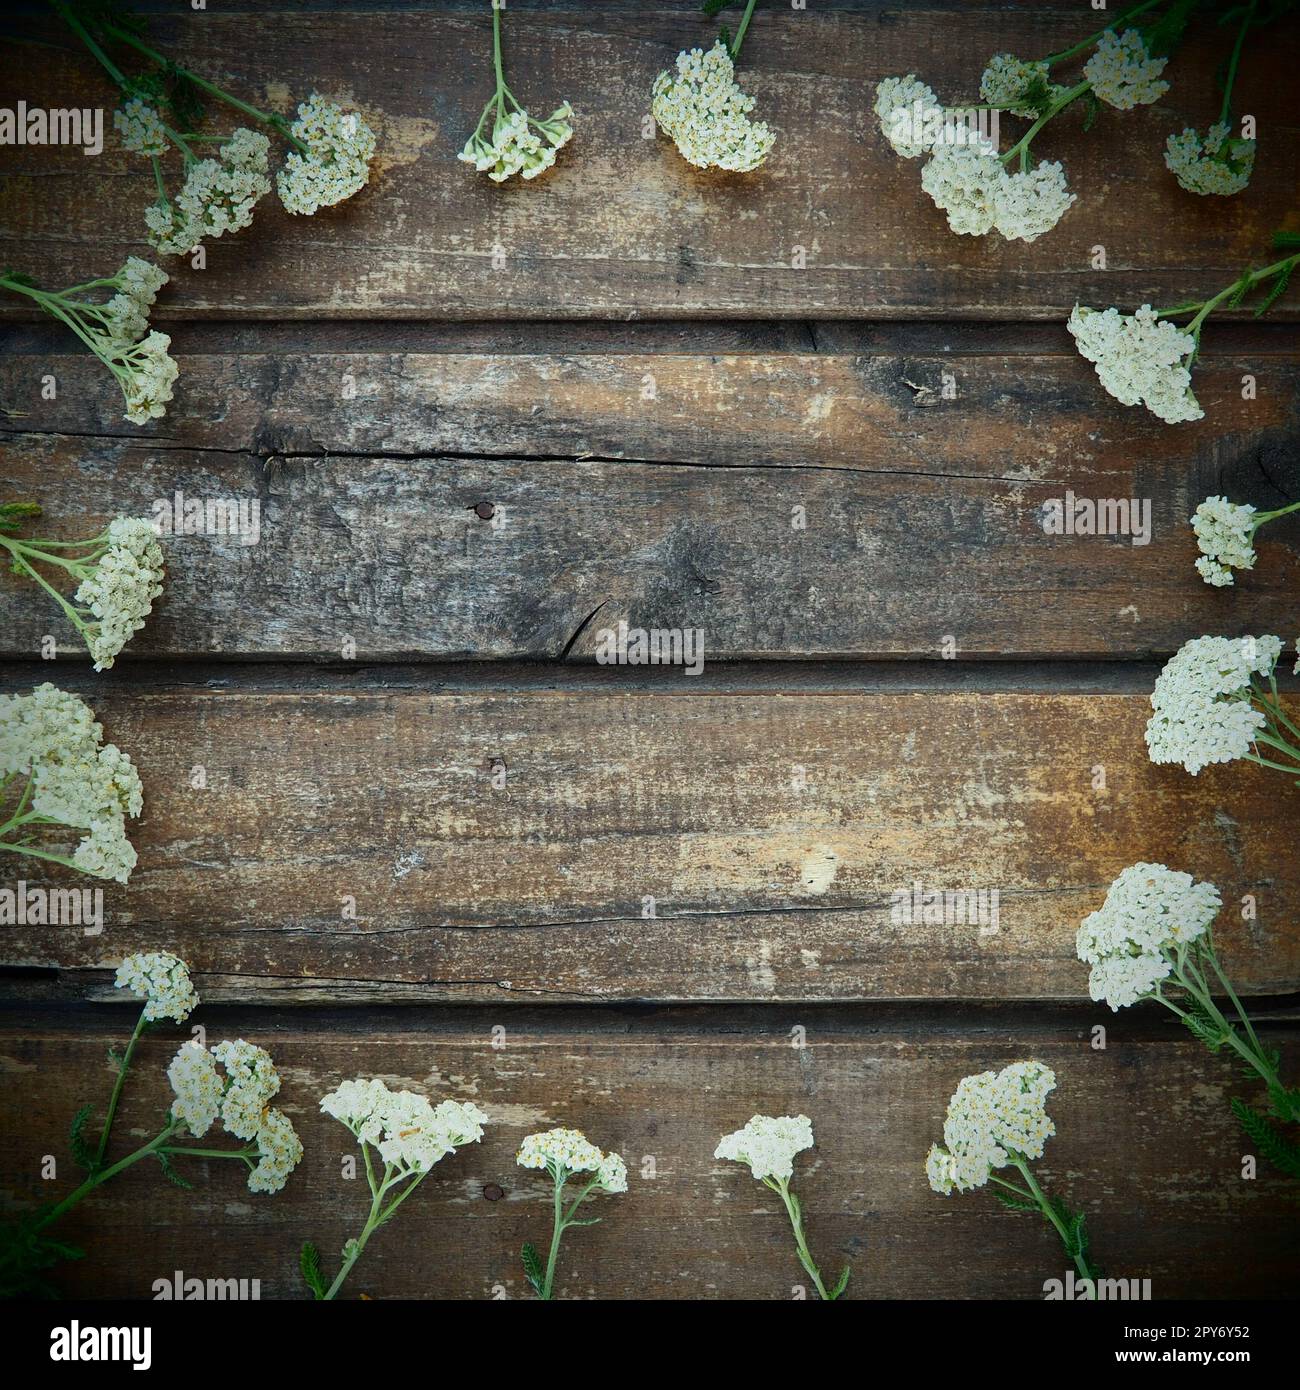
(410, 1135)
(768, 1145)
(408, 1132)
(242, 1099)
(513, 148)
(1216, 164)
(703, 111)
(1150, 911)
(563, 1153)
(115, 331)
(1141, 359)
(73, 779)
(993, 1118)
(1122, 71)
(970, 183)
(1023, 89)
(141, 128)
(335, 164)
(218, 196)
(120, 573)
(910, 115)
(1203, 701)
(1225, 533)
(162, 981)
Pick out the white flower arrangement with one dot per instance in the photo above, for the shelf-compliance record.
(407, 1135)
(269, 1149)
(1210, 706)
(119, 573)
(116, 330)
(1152, 939)
(999, 1120)
(1216, 164)
(767, 1146)
(563, 1154)
(1146, 359)
(507, 140)
(56, 771)
(1225, 534)
(700, 107)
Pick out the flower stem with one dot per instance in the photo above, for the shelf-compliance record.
(1021, 147)
(97, 1179)
(84, 35)
(117, 1091)
(377, 1215)
(740, 30)
(1247, 20)
(1205, 307)
(1080, 1260)
(1092, 38)
(781, 1186)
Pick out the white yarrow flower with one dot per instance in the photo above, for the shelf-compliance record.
(1216, 165)
(141, 128)
(197, 1087)
(992, 1117)
(1203, 713)
(279, 1152)
(162, 981)
(1028, 204)
(409, 1133)
(340, 146)
(218, 196)
(768, 1144)
(1225, 533)
(910, 115)
(707, 115)
(1122, 71)
(1140, 359)
(122, 587)
(1023, 88)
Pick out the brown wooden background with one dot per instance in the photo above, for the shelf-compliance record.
(386, 395)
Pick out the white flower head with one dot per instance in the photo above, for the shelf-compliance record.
(514, 147)
(150, 375)
(76, 780)
(251, 1082)
(1122, 71)
(1203, 712)
(1140, 359)
(964, 181)
(162, 981)
(218, 196)
(1024, 89)
(1216, 165)
(991, 1117)
(707, 115)
(612, 1174)
(340, 146)
(121, 590)
(1225, 533)
(910, 115)
(279, 1151)
(1030, 203)
(768, 1145)
(141, 128)
(568, 1149)
(197, 1086)
(409, 1133)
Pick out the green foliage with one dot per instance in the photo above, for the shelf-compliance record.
(82, 1153)
(170, 1173)
(13, 515)
(1166, 33)
(841, 1283)
(1278, 289)
(533, 1271)
(1204, 1025)
(26, 1253)
(712, 7)
(1281, 1152)
(1009, 1199)
(309, 1265)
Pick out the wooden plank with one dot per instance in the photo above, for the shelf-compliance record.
(623, 226)
(1145, 1144)
(770, 830)
(447, 504)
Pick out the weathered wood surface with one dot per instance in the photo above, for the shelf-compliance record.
(477, 504)
(1145, 1145)
(770, 830)
(623, 226)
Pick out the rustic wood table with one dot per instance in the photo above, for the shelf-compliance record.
(484, 424)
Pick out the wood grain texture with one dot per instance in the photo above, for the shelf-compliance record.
(1145, 1145)
(761, 890)
(472, 504)
(623, 226)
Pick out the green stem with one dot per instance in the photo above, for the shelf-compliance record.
(1036, 1192)
(117, 1089)
(37, 853)
(1092, 39)
(83, 34)
(1021, 147)
(557, 1230)
(1233, 61)
(741, 29)
(1204, 307)
(98, 1179)
(496, 49)
(377, 1215)
(781, 1186)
